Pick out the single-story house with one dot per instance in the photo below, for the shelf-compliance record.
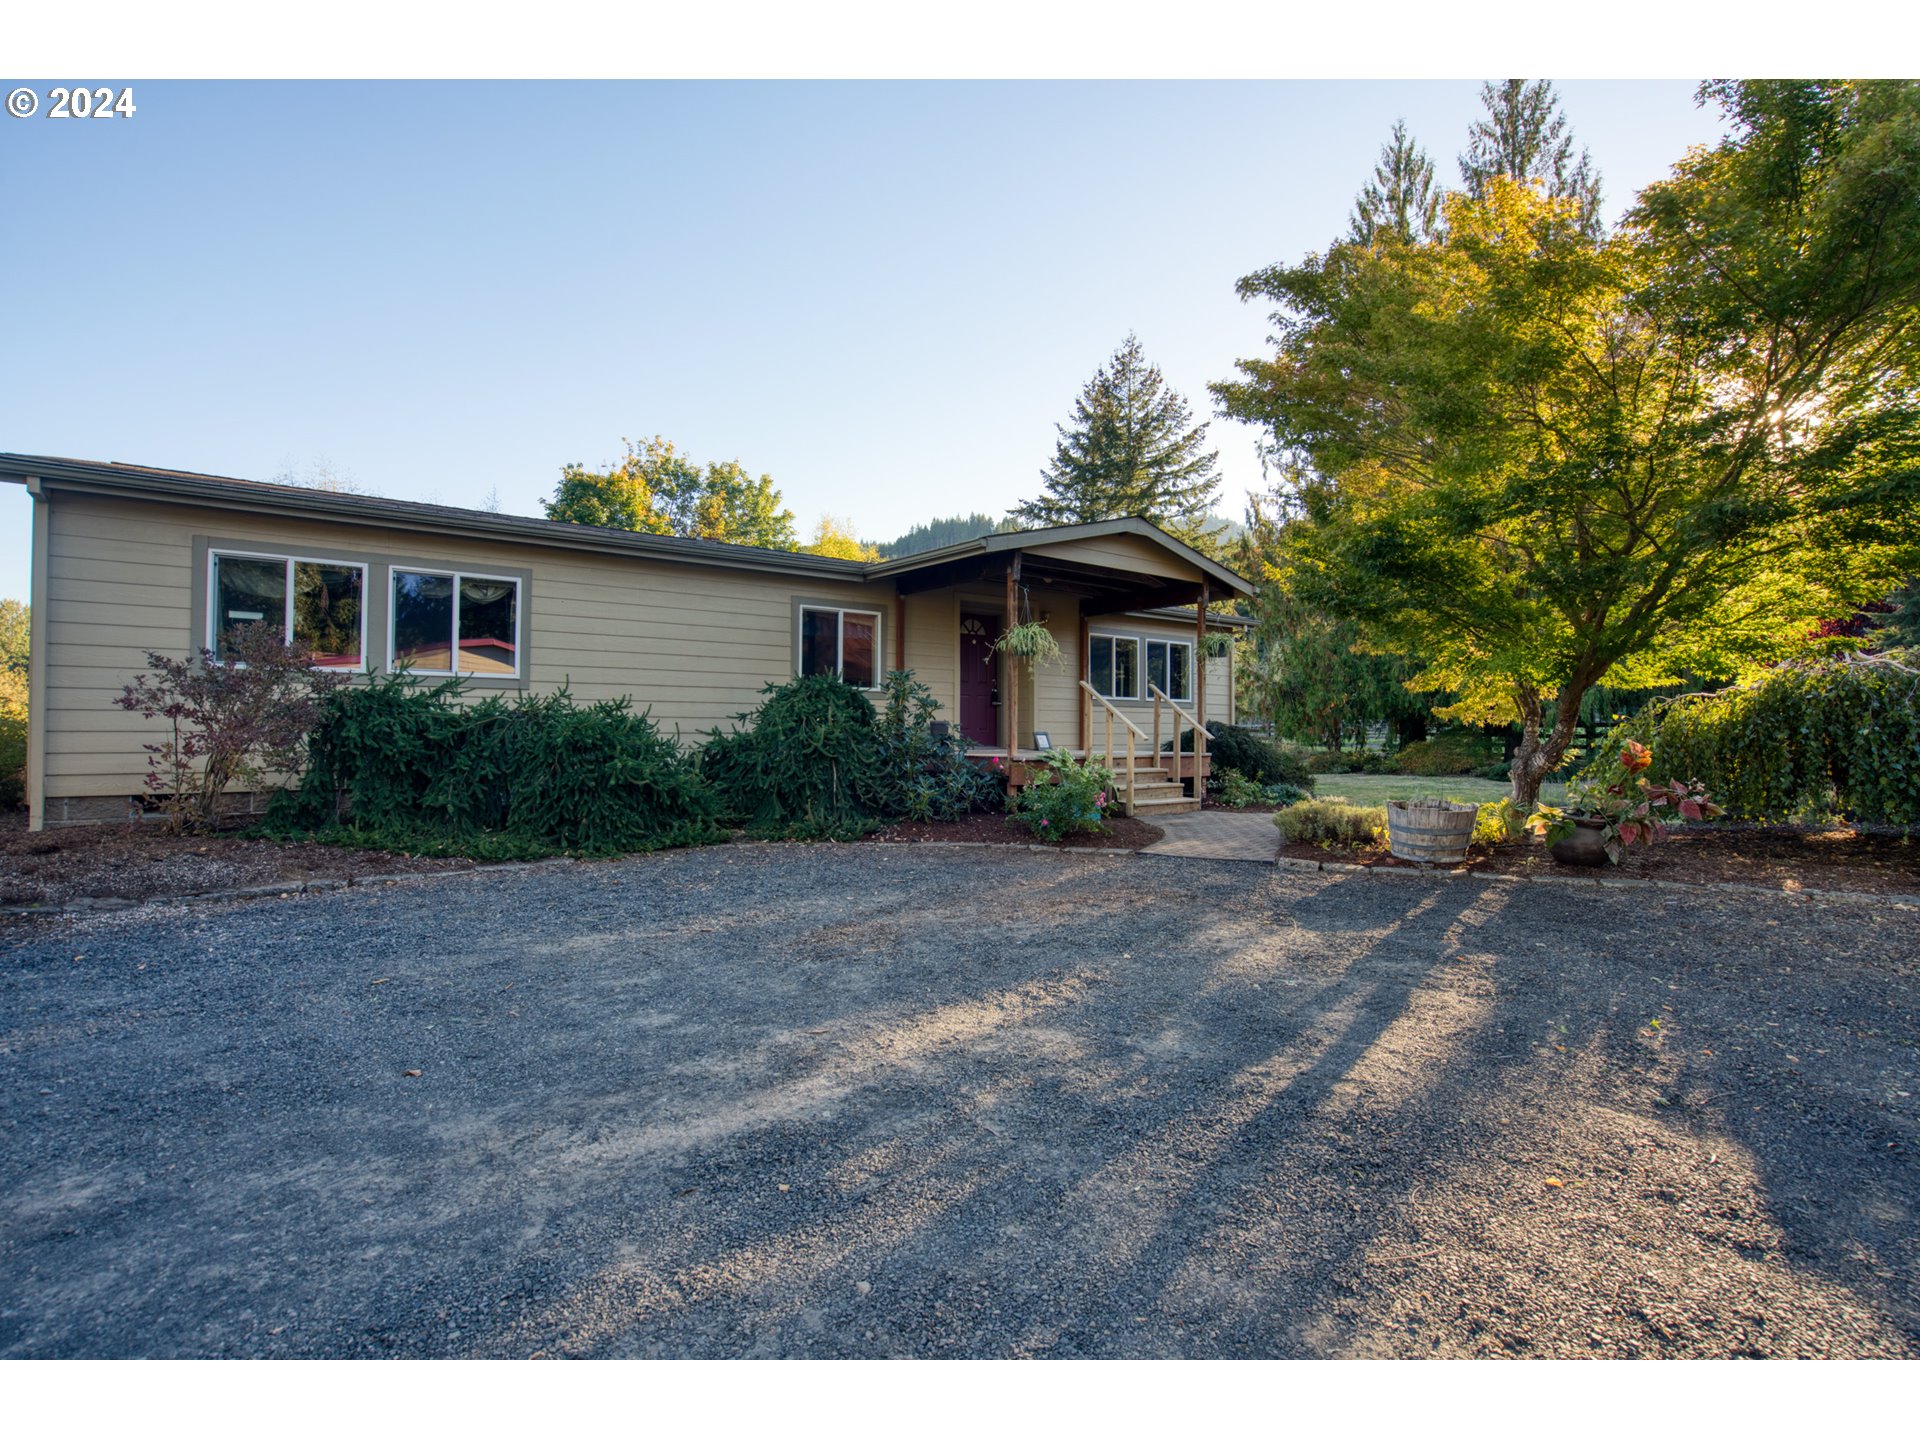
(129, 559)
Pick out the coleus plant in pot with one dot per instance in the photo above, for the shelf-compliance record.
(1621, 815)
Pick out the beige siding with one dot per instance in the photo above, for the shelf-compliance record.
(693, 645)
(1131, 553)
(1219, 673)
(933, 646)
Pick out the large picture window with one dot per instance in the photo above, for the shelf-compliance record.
(1113, 666)
(319, 602)
(1170, 666)
(841, 642)
(451, 623)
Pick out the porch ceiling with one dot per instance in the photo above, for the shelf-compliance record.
(1102, 590)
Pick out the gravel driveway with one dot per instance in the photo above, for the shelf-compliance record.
(871, 1101)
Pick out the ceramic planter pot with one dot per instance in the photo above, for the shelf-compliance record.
(1585, 846)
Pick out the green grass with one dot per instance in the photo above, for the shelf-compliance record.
(1379, 789)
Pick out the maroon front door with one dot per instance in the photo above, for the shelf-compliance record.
(979, 681)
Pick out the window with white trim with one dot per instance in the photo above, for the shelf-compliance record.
(1170, 666)
(841, 642)
(1113, 666)
(452, 622)
(319, 602)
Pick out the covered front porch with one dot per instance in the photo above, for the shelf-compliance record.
(1141, 599)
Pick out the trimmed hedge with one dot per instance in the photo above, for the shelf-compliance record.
(1443, 755)
(1805, 740)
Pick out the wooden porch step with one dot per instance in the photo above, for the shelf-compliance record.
(1146, 809)
(1163, 790)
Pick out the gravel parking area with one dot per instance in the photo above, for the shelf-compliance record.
(869, 1100)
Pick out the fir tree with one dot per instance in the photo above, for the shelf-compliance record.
(1132, 449)
(1525, 137)
(1402, 199)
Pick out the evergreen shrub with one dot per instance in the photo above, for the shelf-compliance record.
(1806, 740)
(1236, 748)
(1333, 822)
(404, 765)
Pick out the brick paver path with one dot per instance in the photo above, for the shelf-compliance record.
(1218, 835)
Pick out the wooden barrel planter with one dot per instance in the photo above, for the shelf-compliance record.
(1432, 832)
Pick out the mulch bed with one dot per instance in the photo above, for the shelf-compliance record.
(1122, 833)
(1779, 857)
(142, 862)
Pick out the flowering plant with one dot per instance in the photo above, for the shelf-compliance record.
(1628, 816)
(1064, 797)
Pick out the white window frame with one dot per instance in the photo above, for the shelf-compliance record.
(1139, 666)
(1146, 673)
(453, 638)
(840, 614)
(212, 636)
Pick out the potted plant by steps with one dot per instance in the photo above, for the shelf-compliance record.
(1602, 823)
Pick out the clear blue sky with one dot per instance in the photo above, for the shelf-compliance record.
(882, 294)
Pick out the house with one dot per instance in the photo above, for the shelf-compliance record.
(128, 559)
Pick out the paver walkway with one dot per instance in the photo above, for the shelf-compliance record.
(1218, 835)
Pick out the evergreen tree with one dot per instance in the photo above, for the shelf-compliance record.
(1402, 199)
(936, 533)
(1525, 137)
(1132, 449)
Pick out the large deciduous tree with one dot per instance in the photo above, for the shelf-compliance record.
(1543, 459)
(657, 489)
(1132, 449)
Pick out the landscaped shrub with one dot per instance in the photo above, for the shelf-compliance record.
(1331, 822)
(805, 766)
(1805, 740)
(1236, 791)
(13, 736)
(1065, 798)
(1454, 754)
(403, 765)
(233, 720)
(919, 775)
(1499, 822)
(1348, 762)
(1236, 748)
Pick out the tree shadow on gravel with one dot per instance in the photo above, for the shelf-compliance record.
(1042, 1105)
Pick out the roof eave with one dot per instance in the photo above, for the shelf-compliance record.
(215, 492)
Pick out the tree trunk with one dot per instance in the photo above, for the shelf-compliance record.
(1539, 753)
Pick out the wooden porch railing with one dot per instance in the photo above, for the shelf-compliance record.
(1200, 735)
(1132, 730)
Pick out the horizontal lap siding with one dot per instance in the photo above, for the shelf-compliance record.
(933, 647)
(694, 646)
(1219, 689)
(1129, 553)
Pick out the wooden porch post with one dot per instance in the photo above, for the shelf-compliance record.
(900, 633)
(1200, 690)
(1086, 673)
(1012, 706)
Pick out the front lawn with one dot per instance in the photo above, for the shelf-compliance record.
(1379, 789)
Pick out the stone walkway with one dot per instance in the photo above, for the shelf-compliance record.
(1218, 835)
